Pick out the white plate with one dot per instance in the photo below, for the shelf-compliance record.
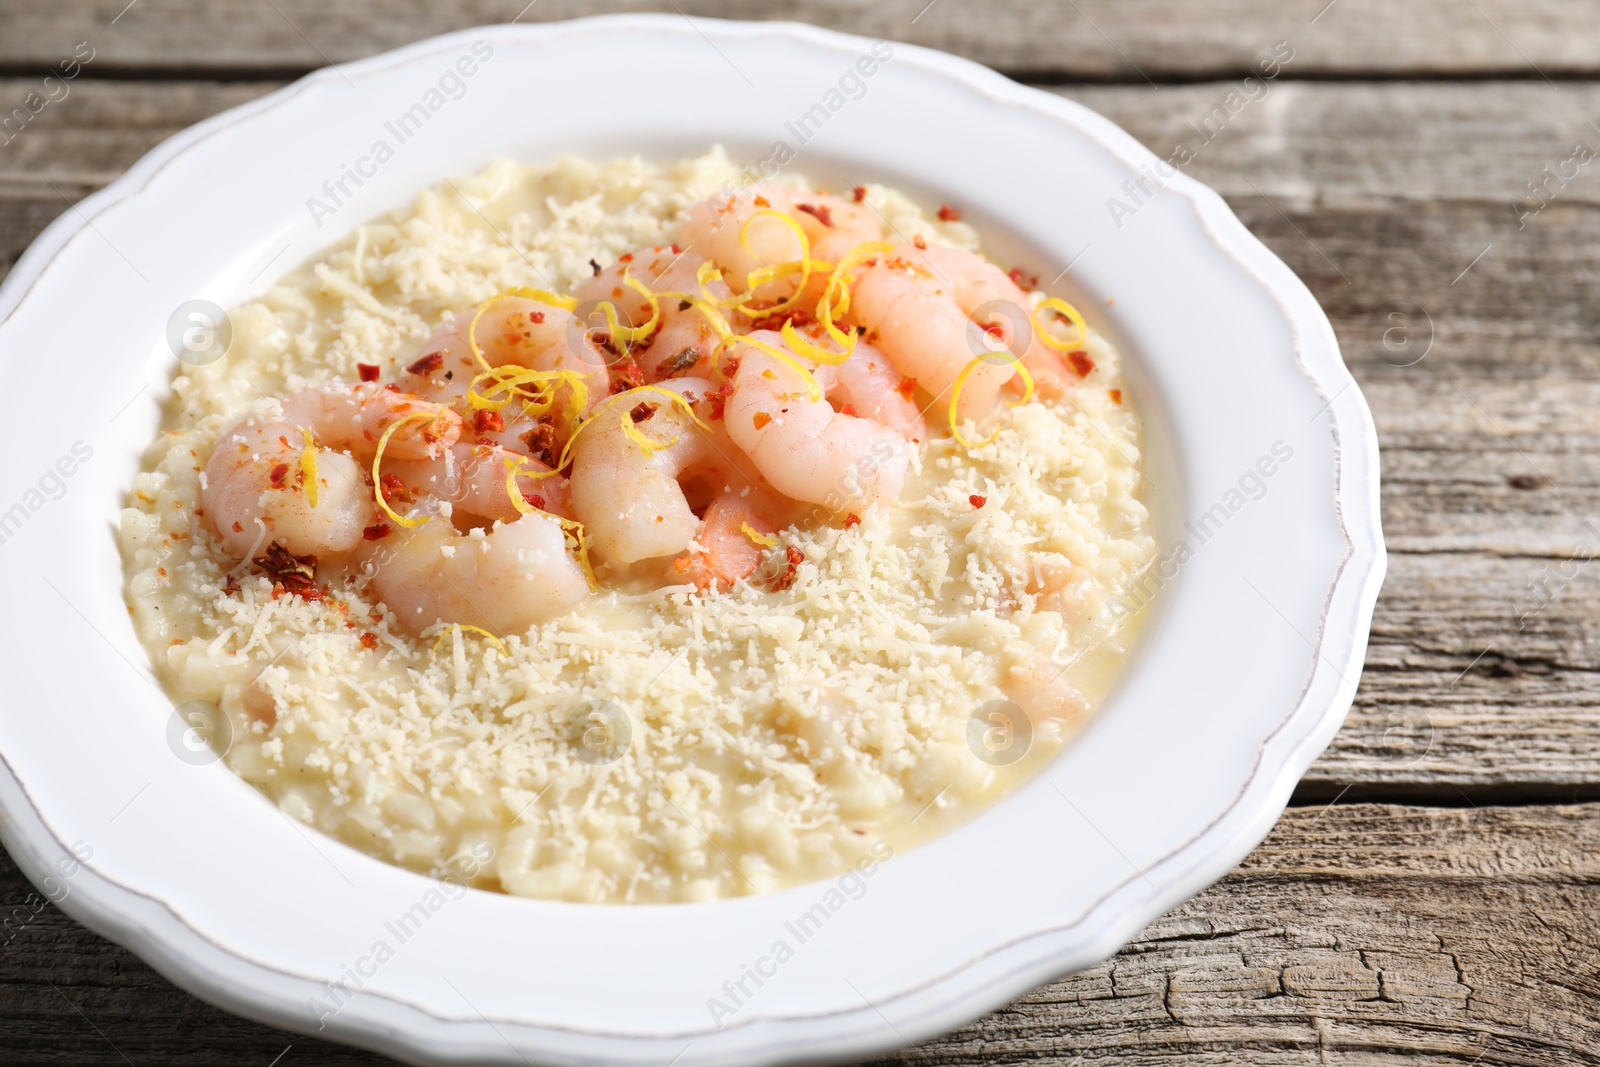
(1245, 671)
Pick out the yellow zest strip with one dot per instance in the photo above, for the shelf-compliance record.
(630, 334)
(836, 294)
(514, 470)
(758, 537)
(574, 529)
(543, 296)
(814, 389)
(1067, 311)
(961, 379)
(762, 275)
(816, 354)
(308, 466)
(646, 443)
(704, 276)
(377, 458)
(566, 451)
(470, 629)
(708, 308)
(510, 378)
(569, 527)
(719, 373)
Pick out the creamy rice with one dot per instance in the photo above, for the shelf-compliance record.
(771, 738)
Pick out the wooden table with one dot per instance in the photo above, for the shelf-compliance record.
(1431, 897)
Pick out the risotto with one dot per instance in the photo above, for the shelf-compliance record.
(759, 583)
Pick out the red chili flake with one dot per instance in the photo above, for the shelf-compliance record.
(369, 641)
(848, 409)
(852, 519)
(977, 501)
(720, 395)
(237, 528)
(642, 411)
(394, 490)
(626, 257)
(1116, 396)
(231, 586)
(948, 214)
(628, 375)
(920, 242)
(541, 441)
(277, 474)
(859, 192)
(760, 419)
(536, 317)
(677, 251)
(761, 201)
(535, 499)
(1023, 281)
(793, 558)
(1080, 362)
(376, 532)
(486, 421)
(821, 212)
(367, 371)
(427, 364)
(996, 330)
(907, 387)
(393, 388)
(799, 318)
(289, 572)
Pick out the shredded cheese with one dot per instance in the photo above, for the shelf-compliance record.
(461, 627)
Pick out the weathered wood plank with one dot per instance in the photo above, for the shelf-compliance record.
(1358, 935)
(1506, 396)
(1157, 39)
(1299, 144)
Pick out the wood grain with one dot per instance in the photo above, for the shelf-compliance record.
(1141, 43)
(1359, 934)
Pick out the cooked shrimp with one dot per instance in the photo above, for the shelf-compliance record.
(868, 384)
(1037, 687)
(632, 502)
(471, 477)
(724, 551)
(832, 225)
(253, 487)
(804, 448)
(512, 330)
(503, 579)
(683, 340)
(715, 229)
(1061, 585)
(983, 290)
(913, 318)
